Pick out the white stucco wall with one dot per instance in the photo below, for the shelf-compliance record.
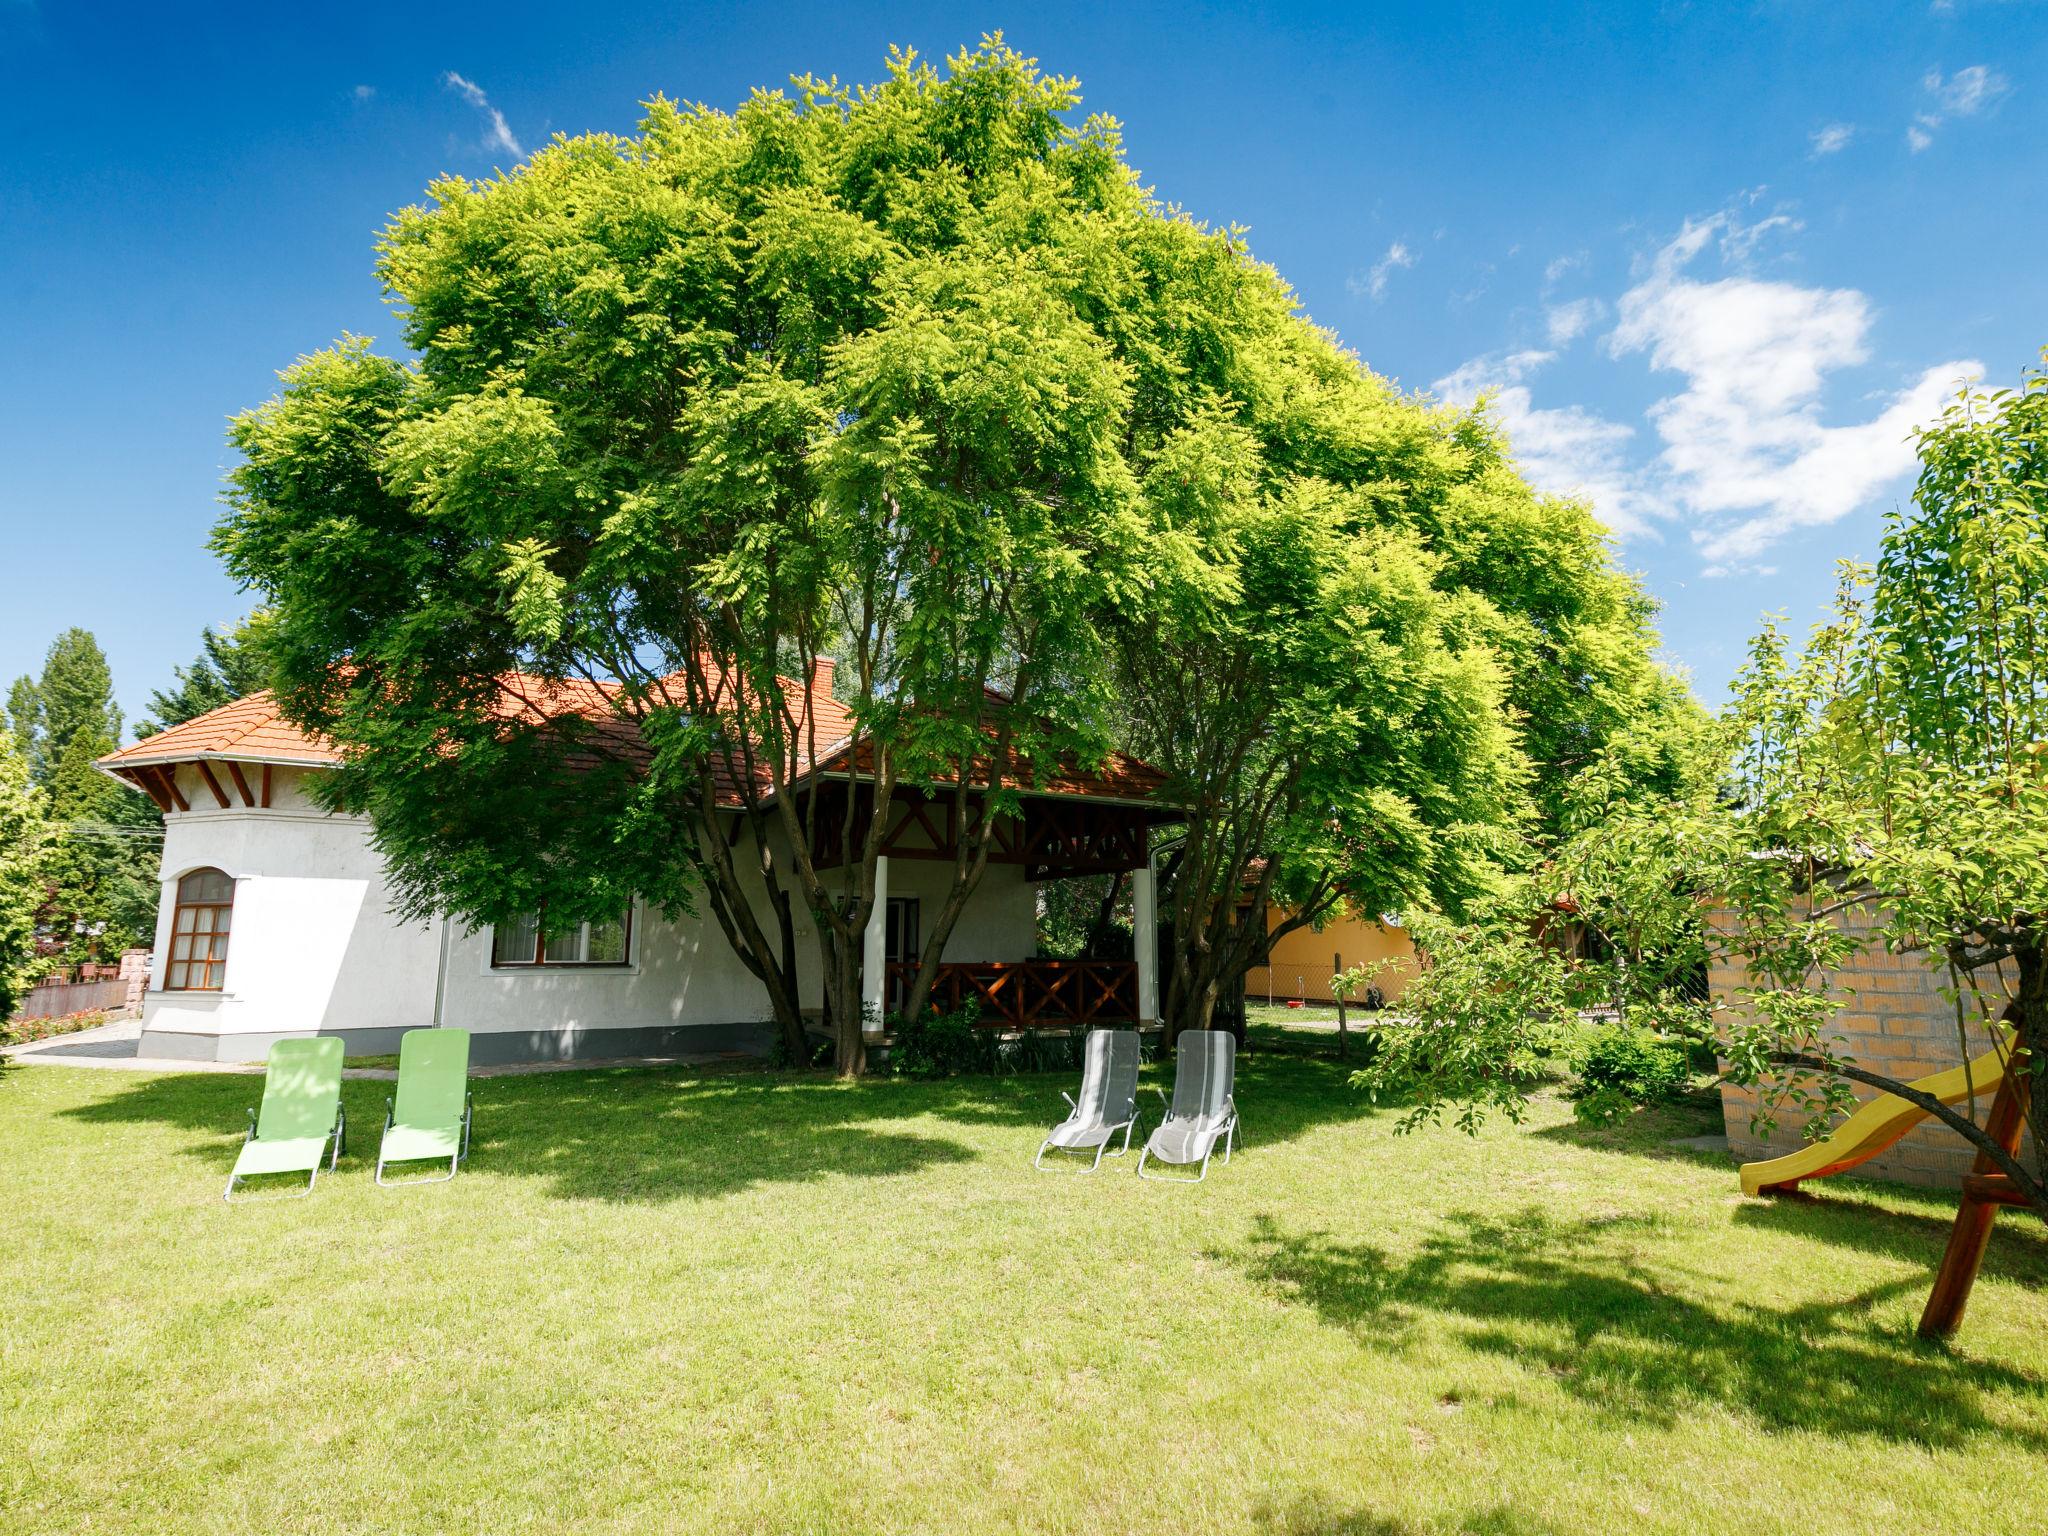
(315, 947)
(313, 944)
(999, 922)
(677, 973)
(683, 972)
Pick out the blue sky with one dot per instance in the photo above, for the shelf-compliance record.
(1714, 260)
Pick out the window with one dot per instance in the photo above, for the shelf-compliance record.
(199, 932)
(899, 947)
(899, 930)
(524, 940)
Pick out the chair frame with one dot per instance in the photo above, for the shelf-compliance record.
(1101, 1147)
(1228, 1138)
(454, 1163)
(338, 1143)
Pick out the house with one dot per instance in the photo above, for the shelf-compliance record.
(276, 919)
(1303, 960)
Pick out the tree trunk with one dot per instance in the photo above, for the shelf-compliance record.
(2031, 1026)
(843, 1008)
(1105, 915)
(773, 963)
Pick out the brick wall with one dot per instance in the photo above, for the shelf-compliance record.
(134, 971)
(1895, 1021)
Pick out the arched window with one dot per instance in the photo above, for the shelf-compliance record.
(199, 932)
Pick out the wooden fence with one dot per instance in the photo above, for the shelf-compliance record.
(54, 1000)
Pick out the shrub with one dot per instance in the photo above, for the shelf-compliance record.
(1622, 1068)
(817, 1051)
(939, 1044)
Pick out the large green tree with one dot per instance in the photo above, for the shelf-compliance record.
(24, 855)
(100, 872)
(1379, 664)
(24, 717)
(73, 696)
(918, 375)
(844, 370)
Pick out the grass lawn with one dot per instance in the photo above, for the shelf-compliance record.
(687, 1301)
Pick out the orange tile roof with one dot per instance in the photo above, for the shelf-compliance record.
(252, 730)
(1118, 777)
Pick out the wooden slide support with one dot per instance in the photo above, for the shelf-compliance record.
(1880, 1123)
(1984, 1191)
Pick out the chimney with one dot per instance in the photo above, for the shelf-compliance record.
(822, 668)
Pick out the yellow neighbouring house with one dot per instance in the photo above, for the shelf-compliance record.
(1303, 961)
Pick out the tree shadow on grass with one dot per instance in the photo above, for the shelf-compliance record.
(1316, 1515)
(638, 1134)
(1280, 1097)
(1575, 1300)
(2018, 1250)
(1649, 1132)
(683, 1133)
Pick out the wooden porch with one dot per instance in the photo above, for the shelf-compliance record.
(1028, 994)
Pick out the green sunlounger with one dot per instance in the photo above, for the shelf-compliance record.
(301, 1114)
(429, 1119)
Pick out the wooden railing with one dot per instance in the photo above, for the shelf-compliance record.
(1027, 994)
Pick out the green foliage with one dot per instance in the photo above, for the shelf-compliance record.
(1319, 696)
(1623, 1067)
(74, 696)
(1085, 917)
(1896, 771)
(1491, 1011)
(940, 1044)
(24, 860)
(1373, 655)
(1886, 785)
(860, 369)
(99, 864)
(24, 717)
(103, 865)
(231, 665)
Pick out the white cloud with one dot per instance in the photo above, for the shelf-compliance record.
(364, 92)
(1832, 138)
(1746, 456)
(1559, 265)
(1568, 451)
(1968, 91)
(1742, 452)
(1567, 322)
(1963, 94)
(499, 135)
(1374, 285)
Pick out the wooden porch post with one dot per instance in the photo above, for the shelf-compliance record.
(874, 953)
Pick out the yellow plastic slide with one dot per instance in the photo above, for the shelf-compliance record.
(1874, 1127)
